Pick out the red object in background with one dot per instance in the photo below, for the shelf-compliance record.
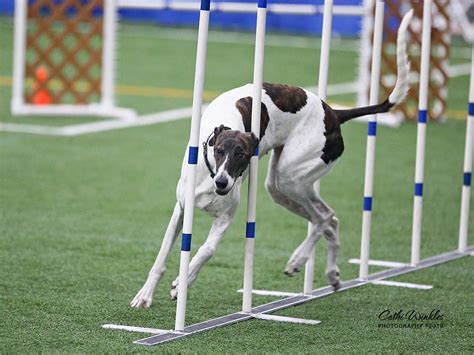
(41, 96)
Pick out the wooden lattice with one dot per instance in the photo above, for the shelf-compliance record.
(64, 39)
(440, 40)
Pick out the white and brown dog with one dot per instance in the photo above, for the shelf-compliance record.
(304, 137)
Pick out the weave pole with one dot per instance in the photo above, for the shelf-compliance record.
(192, 163)
(466, 188)
(371, 140)
(421, 133)
(322, 93)
(253, 168)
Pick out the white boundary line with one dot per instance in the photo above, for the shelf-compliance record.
(101, 126)
(181, 113)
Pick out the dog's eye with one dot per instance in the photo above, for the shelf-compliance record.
(220, 151)
(239, 154)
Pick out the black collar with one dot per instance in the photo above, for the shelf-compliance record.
(204, 152)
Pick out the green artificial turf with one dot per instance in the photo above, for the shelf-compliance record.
(81, 220)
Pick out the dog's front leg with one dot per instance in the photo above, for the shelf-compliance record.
(206, 251)
(144, 297)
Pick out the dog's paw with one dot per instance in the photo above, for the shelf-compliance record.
(174, 290)
(333, 278)
(294, 265)
(291, 270)
(336, 286)
(143, 298)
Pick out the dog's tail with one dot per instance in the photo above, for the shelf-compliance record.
(401, 86)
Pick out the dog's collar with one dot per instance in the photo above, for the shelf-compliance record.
(204, 152)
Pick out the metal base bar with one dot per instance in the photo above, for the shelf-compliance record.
(272, 293)
(382, 263)
(296, 300)
(286, 319)
(402, 284)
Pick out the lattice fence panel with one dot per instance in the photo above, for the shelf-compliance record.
(64, 39)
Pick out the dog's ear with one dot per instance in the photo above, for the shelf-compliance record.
(255, 140)
(251, 142)
(217, 131)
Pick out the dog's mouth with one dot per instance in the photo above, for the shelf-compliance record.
(221, 192)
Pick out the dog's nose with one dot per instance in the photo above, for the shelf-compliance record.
(221, 182)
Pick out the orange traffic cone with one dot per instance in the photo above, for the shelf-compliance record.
(41, 96)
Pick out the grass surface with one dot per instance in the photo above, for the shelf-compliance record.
(82, 219)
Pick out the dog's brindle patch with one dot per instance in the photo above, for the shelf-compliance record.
(287, 98)
(334, 146)
(244, 105)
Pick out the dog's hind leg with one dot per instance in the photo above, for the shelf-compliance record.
(314, 234)
(298, 185)
(277, 196)
(300, 255)
(206, 251)
(322, 217)
(332, 236)
(144, 297)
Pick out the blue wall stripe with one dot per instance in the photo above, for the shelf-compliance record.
(422, 116)
(193, 155)
(372, 129)
(205, 5)
(367, 203)
(262, 3)
(250, 230)
(186, 242)
(467, 179)
(470, 109)
(418, 189)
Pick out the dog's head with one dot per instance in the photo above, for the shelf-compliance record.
(232, 152)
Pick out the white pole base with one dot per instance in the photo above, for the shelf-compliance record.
(135, 329)
(272, 293)
(286, 319)
(401, 284)
(382, 263)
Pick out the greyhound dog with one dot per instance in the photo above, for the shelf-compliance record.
(304, 137)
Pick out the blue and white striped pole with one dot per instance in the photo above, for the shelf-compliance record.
(371, 140)
(192, 163)
(421, 133)
(253, 169)
(466, 188)
(322, 93)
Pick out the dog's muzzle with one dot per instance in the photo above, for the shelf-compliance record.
(223, 184)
